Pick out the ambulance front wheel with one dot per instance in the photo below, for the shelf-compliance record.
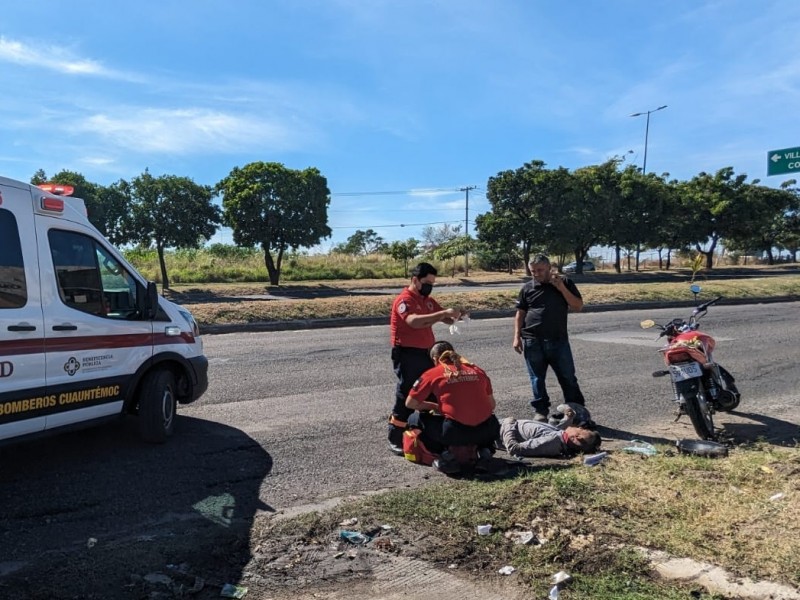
(157, 402)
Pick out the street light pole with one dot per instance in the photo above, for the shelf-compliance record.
(647, 133)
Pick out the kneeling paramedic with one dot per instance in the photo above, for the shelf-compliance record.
(463, 411)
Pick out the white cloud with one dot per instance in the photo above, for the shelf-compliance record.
(430, 192)
(98, 161)
(57, 59)
(189, 130)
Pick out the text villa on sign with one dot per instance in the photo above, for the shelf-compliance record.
(780, 162)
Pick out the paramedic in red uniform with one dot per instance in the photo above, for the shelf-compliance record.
(456, 405)
(411, 326)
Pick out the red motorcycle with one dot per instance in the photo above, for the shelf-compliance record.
(700, 385)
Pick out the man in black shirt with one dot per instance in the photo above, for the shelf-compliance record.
(540, 333)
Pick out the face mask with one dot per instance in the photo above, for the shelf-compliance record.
(426, 289)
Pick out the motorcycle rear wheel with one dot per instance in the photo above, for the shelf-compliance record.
(699, 410)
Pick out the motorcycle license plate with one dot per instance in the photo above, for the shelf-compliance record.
(685, 371)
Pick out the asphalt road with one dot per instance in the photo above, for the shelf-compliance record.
(310, 396)
(298, 417)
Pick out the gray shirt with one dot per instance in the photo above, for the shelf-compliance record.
(526, 437)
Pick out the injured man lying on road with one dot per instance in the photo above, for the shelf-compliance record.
(530, 438)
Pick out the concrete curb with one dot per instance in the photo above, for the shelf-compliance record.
(478, 314)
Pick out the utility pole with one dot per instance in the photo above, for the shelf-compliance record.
(466, 189)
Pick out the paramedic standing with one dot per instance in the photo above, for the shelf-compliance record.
(540, 333)
(414, 313)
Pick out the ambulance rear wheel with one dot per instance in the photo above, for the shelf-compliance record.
(157, 402)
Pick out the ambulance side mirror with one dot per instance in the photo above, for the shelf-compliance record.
(148, 301)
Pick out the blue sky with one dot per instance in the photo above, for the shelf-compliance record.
(398, 103)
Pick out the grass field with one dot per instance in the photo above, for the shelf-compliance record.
(215, 304)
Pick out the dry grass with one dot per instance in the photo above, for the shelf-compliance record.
(221, 303)
(589, 520)
(719, 511)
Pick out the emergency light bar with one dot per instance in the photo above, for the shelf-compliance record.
(57, 189)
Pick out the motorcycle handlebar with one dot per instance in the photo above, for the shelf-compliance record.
(705, 305)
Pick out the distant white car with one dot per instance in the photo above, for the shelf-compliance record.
(573, 266)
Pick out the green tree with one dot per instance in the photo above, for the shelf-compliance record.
(639, 220)
(497, 241)
(518, 199)
(454, 248)
(789, 238)
(717, 208)
(171, 212)
(404, 251)
(113, 212)
(277, 208)
(764, 216)
(106, 207)
(362, 243)
(586, 212)
(672, 231)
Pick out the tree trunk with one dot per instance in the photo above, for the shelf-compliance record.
(273, 271)
(669, 258)
(638, 252)
(163, 265)
(770, 257)
(617, 263)
(526, 257)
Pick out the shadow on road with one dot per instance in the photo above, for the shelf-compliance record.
(752, 427)
(763, 427)
(98, 513)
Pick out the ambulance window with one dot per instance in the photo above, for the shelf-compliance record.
(77, 272)
(13, 289)
(119, 287)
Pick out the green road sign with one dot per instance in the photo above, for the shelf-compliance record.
(783, 161)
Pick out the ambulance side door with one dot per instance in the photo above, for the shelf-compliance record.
(95, 338)
(23, 399)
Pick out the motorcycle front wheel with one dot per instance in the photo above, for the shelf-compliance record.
(696, 405)
(728, 399)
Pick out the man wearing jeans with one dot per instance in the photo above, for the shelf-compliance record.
(540, 333)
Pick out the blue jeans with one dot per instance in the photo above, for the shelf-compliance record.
(556, 354)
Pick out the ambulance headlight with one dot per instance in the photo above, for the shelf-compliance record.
(190, 321)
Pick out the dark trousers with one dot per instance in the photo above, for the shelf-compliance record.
(556, 354)
(409, 364)
(439, 432)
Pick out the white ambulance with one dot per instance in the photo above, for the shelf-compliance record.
(83, 336)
